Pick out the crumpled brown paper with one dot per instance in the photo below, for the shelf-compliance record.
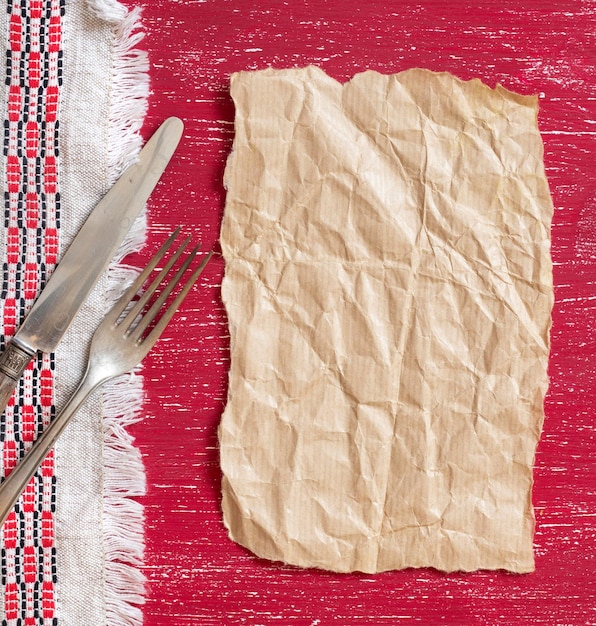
(388, 285)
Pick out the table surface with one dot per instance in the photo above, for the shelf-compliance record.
(196, 574)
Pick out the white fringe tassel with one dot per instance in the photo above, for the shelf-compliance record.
(124, 476)
(108, 10)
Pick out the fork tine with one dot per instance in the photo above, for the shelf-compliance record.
(149, 316)
(125, 299)
(153, 336)
(134, 312)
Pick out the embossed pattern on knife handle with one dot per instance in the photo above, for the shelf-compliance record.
(13, 362)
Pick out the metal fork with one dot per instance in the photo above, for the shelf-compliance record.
(122, 340)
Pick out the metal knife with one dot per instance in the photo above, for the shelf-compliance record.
(87, 257)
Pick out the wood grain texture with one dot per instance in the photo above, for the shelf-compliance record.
(196, 574)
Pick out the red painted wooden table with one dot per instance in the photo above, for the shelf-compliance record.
(196, 574)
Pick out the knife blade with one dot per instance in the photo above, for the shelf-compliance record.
(87, 258)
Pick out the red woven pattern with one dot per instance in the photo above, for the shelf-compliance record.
(31, 214)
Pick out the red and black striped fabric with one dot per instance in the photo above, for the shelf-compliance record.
(31, 219)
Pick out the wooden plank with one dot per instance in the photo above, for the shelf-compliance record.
(197, 575)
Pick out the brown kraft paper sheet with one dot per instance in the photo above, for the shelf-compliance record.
(388, 284)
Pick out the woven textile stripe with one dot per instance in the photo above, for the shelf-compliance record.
(31, 220)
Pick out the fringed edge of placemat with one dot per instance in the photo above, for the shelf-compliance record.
(124, 475)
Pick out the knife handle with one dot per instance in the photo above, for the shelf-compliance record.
(13, 362)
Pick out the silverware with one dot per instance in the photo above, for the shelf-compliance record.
(121, 342)
(87, 258)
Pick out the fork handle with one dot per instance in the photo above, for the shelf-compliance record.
(13, 362)
(13, 485)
